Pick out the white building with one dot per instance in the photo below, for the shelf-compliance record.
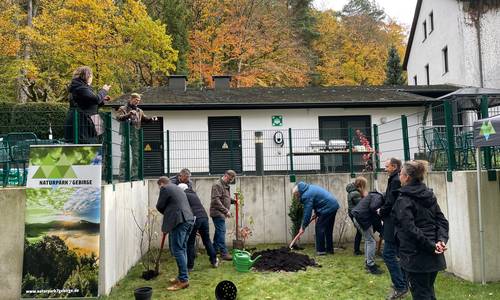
(446, 45)
(210, 130)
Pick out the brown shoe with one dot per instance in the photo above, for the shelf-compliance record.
(178, 286)
(173, 280)
(227, 257)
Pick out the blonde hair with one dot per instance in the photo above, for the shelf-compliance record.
(361, 183)
(84, 73)
(416, 169)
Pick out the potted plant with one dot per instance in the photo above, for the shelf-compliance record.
(149, 254)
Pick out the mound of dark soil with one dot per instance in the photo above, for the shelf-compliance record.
(282, 259)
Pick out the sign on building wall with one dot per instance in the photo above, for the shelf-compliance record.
(61, 253)
(277, 120)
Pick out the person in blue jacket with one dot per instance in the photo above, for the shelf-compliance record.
(325, 207)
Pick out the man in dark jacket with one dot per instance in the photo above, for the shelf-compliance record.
(184, 176)
(391, 251)
(366, 219)
(219, 210)
(201, 227)
(132, 114)
(178, 221)
(325, 206)
(421, 229)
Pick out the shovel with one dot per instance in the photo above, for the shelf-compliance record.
(157, 267)
(299, 234)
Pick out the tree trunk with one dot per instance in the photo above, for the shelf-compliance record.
(22, 96)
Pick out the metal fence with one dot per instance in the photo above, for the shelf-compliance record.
(115, 137)
(440, 133)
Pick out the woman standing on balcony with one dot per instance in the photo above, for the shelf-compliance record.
(422, 231)
(83, 100)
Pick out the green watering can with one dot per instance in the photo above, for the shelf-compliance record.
(242, 260)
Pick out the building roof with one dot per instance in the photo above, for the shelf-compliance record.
(473, 95)
(412, 34)
(308, 97)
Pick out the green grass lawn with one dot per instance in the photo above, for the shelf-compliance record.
(341, 276)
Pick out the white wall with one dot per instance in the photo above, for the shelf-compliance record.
(452, 28)
(120, 236)
(191, 129)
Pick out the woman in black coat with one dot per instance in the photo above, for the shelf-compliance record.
(422, 231)
(83, 100)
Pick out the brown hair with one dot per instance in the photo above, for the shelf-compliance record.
(360, 183)
(163, 180)
(416, 169)
(396, 162)
(83, 73)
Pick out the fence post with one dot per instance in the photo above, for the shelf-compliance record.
(127, 151)
(231, 149)
(168, 153)
(351, 162)
(376, 154)
(290, 153)
(75, 126)
(450, 137)
(109, 150)
(141, 154)
(492, 175)
(406, 141)
(259, 153)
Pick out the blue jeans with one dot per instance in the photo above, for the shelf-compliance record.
(179, 237)
(391, 251)
(220, 235)
(200, 226)
(370, 243)
(324, 232)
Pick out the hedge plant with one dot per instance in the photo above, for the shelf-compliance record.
(34, 117)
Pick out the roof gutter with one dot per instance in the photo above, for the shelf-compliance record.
(206, 106)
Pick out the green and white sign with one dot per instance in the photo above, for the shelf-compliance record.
(277, 120)
(62, 225)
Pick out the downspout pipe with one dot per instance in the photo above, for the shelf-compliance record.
(479, 46)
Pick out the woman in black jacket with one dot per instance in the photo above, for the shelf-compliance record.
(83, 100)
(422, 231)
(355, 192)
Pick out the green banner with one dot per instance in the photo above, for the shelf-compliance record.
(61, 253)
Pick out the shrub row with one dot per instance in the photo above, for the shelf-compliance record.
(33, 117)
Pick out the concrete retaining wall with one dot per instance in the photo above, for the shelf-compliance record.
(267, 200)
(12, 204)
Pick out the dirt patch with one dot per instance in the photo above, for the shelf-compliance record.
(282, 259)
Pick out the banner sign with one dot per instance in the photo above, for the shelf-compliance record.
(487, 132)
(63, 195)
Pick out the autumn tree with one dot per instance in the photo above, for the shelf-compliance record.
(352, 45)
(364, 8)
(394, 71)
(122, 45)
(10, 47)
(176, 14)
(252, 40)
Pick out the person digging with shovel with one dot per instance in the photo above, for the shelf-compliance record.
(178, 221)
(325, 206)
